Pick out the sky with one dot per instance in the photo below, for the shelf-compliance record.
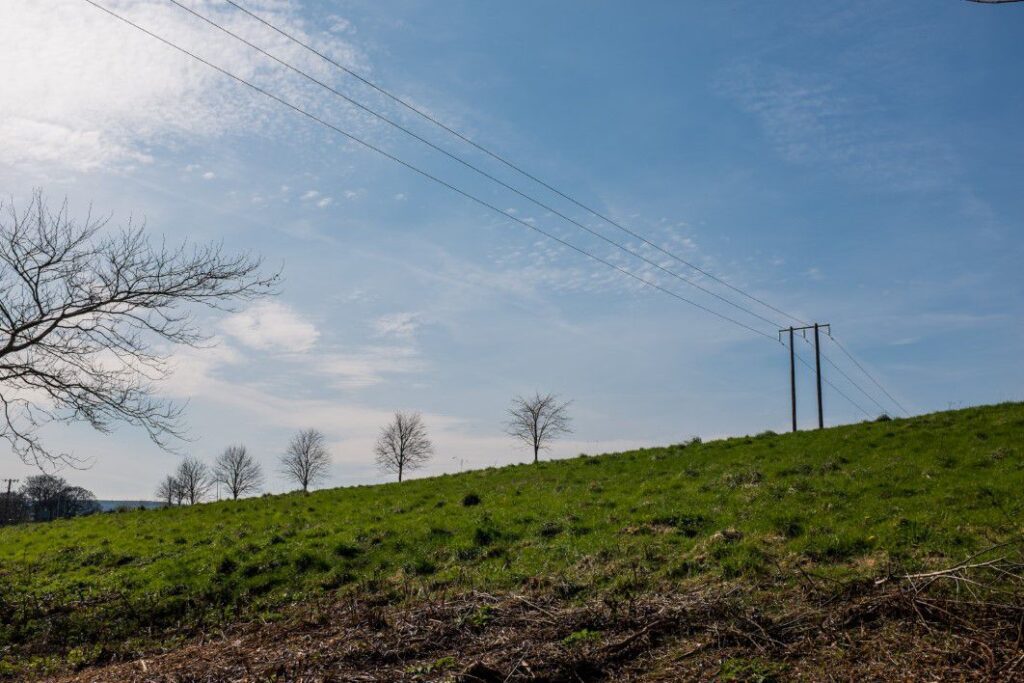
(858, 164)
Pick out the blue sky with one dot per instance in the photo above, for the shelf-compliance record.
(858, 164)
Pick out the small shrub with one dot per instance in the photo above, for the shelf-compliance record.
(307, 561)
(834, 548)
(550, 530)
(755, 670)
(688, 525)
(467, 554)
(437, 666)
(421, 567)
(480, 617)
(789, 526)
(582, 637)
(227, 566)
(347, 551)
(749, 477)
(1001, 453)
(336, 580)
(484, 536)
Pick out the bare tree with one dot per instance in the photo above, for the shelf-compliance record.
(403, 444)
(306, 461)
(194, 481)
(87, 318)
(238, 471)
(538, 420)
(168, 491)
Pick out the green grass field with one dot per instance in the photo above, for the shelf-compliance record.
(845, 503)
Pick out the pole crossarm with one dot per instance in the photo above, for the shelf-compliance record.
(821, 326)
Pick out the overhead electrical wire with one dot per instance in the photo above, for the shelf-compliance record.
(850, 380)
(423, 173)
(467, 164)
(869, 375)
(513, 166)
(484, 203)
(506, 162)
(833, 386)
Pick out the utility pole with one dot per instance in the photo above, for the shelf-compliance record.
(817, 366)
(7, 508)
(817, 375)
(792, 373)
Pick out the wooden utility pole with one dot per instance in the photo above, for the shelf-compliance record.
(792, 376)
(6, 509)
(817, 375)
(817, 367)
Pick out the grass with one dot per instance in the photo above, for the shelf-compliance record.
(846, 503)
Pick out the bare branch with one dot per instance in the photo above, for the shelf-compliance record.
(83, 311)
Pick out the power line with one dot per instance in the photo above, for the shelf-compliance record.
(423, 173)
(869, 375)
(826, 381)
(849, 379)
(469, 165)
(520, 170)
(508, 163)
(464, 193)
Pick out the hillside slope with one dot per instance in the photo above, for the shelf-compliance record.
(843, 504)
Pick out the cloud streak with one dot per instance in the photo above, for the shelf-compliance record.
(272, 326)
(88, 92)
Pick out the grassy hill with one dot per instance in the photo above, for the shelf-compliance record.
(842, 504)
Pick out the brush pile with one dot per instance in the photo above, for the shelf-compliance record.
(965, 623)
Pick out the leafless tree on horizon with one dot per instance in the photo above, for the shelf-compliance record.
(306, 461)
(238, 471)
(168, 490)
(538, 420)
(88, 317)
(403, 444)
(194, 481)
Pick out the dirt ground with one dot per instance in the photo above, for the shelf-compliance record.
(874, 633)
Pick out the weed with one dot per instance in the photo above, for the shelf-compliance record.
(580, 638)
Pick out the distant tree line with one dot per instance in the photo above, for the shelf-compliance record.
(402, 446)
(44, 498)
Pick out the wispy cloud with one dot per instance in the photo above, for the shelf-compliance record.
(368, 366)
(815, 120)
(272, 325)
(89, 92)
(400, 325)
